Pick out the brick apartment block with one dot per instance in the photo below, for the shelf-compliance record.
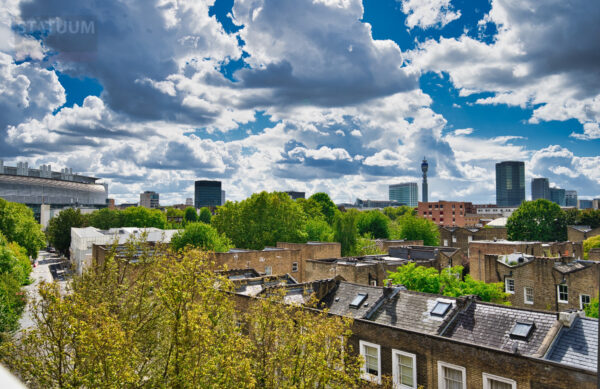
(461, 237)
(581, 233)
(479, 344)
(373, 269)
(286, 258)
(446, 213)
(537, 275)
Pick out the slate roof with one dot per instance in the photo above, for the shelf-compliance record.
(412, 310)
(577, 345)
(490, 325)
(569, 267)
(339, 299)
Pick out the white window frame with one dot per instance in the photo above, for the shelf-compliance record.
(581, 306)
(445, 242)
(487, 377)
(365, 375)
(453, 239)
(396, 371)
(506, 290)
(441, 365)
(558, 294)
(525, 295)
(294, 267)
(470, 238)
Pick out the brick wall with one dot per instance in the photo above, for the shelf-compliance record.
(358, 273)
(575, 235)
(384, 245)
(478, 250)
(529, 373)
(460, 237)
(594, 254)
(281, 261)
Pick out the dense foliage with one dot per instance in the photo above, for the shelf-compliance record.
(190, 215)
(17, 224)
(59, 228)
(373, 223)
(327, 207)
(202, 236)
(346, 232)
(318, 230)
(591, 310)
(395, 212)
(409, 227)
(14, 273)
(589, 244)
(263, 219)
(161, 322)
(205, 215)
(539, 220)
(448, 283)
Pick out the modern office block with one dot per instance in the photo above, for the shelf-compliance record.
(558, 196)
(207, 194)
(149, 199)
(510, 183)
(540, 188)
(571, 198)
(405, 193)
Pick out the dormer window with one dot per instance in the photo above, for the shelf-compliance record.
(358, 300)
(441, 308)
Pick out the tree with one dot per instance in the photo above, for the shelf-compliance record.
(164, 323)
(572, 216)
(539, 220)
(261, 220)
(18, 225)
(190, 215)
(14, 272)
(202, 236)
(345, 231)
(589, 244)
(590, 217)
(105, 219)
(318, 230)
(410, 227)
(448, 283)
(143, 217)
(328, 208)
(59, 228)
(395, 212)
(311, 208)
(373, 223)
(205, 215)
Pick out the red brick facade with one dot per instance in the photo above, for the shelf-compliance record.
(446, 213)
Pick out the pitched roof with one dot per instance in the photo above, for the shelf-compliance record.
(577, 345)
(412, 310)
(339, 299)
(491, 325)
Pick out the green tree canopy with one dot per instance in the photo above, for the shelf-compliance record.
(59, 228)
(202, 236)
(205, 215)
(14, 272)
(105, 219)
(411, 227)
(345, 230)
(18, 225)
(395, 212)
(318, 230)
(190, 215)
(143, 217)
(591, 310)
(261, 220)
(589, 244)
(590, 217)
(447, 283)
(328, 208)
(374, 223)
(162, 323)
(539, 220)
(311, 208)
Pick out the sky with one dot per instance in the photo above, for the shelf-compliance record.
(340, 96)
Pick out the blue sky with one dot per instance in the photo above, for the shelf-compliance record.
(341, 96)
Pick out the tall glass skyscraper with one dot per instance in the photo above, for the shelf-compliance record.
(510, 183)
(558, 196)
(406, 193)
(207, 194)
(571, 198)
(540, 189)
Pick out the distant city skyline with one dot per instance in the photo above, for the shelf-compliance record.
(345, 97)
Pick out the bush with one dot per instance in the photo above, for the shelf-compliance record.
(590, 243)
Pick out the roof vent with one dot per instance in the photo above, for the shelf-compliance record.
(441, 308)
(358, 300)
(522, 330)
